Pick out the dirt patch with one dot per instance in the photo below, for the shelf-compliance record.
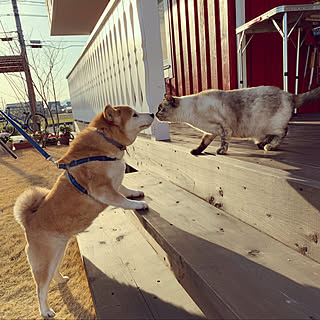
(18, 298)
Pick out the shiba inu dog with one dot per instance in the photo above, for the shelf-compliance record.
(94, 170)
(260, 113)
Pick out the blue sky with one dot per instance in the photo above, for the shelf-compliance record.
(36, 28)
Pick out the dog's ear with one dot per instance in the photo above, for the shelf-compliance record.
(109, 113)
(169, 98)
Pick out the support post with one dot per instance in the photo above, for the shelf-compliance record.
(297, 66)
(285, 51)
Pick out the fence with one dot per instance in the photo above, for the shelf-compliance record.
(121, 63)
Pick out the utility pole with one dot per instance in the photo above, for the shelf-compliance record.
(32, 97)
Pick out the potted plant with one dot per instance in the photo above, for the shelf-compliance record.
(65, 135)
(51, 139)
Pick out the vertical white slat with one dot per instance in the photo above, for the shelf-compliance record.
(121, 60)
(108, 67)
(127, 57)
(113, 83)
(122, 63)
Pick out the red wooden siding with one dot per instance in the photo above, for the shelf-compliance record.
(228, 44)
(198, 42)
(264, 53)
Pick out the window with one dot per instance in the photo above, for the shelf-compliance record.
(165, 37)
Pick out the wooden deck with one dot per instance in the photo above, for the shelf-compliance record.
(126, 277)
(240, 232)
(276, 192)
(299, 154)
(231, 270)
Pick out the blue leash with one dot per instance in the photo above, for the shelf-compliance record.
(46, 155)
(74, 163)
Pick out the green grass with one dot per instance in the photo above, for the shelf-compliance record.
(65, 117)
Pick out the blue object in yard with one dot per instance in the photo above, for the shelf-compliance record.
(46, 155)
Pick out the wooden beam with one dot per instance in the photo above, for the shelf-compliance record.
(11, 64)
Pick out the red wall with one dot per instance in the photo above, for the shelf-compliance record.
(264, 53)
(202, 37)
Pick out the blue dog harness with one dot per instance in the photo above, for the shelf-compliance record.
(89, 159)
(81, 161)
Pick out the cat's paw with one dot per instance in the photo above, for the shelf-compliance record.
(195, 152)
(268, 147)
(260, 145)
(222, 150)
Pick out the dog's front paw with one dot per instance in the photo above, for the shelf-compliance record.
(136, 194)
(140, 205)
(48, 313)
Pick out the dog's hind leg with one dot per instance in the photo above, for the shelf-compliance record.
(207, 138)
(58, 277)
(44, 257)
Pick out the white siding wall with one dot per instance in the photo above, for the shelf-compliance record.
(121, 63)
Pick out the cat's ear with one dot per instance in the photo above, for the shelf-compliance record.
(169, 98)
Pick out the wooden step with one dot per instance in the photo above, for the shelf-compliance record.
(126, 277)
(283, 204)
(230, 269)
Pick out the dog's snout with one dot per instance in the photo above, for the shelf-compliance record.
(152, 115)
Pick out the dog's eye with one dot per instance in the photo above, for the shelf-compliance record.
(135, 114)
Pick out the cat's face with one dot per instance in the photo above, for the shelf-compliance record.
(167, 109)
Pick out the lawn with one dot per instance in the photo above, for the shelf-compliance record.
(18, 298)
(63, 117)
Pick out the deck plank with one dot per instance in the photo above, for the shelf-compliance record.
(281, 204)
(299, 154)
(126, 277)
(229, 268)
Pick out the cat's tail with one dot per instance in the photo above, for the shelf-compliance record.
(307, 98)
(27, 204)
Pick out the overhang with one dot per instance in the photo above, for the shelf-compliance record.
(74, 17)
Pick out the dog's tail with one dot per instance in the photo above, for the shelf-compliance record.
(27, 204)
(307, 98)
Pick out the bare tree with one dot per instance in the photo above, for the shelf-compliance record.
(44, 76)
(45, 64)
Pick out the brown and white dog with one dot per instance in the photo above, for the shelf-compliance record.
(260, 113)
(51, 217)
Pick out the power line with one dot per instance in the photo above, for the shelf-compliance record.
(62, 48)
(62, 41)
(25, 15)
(25, 2)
